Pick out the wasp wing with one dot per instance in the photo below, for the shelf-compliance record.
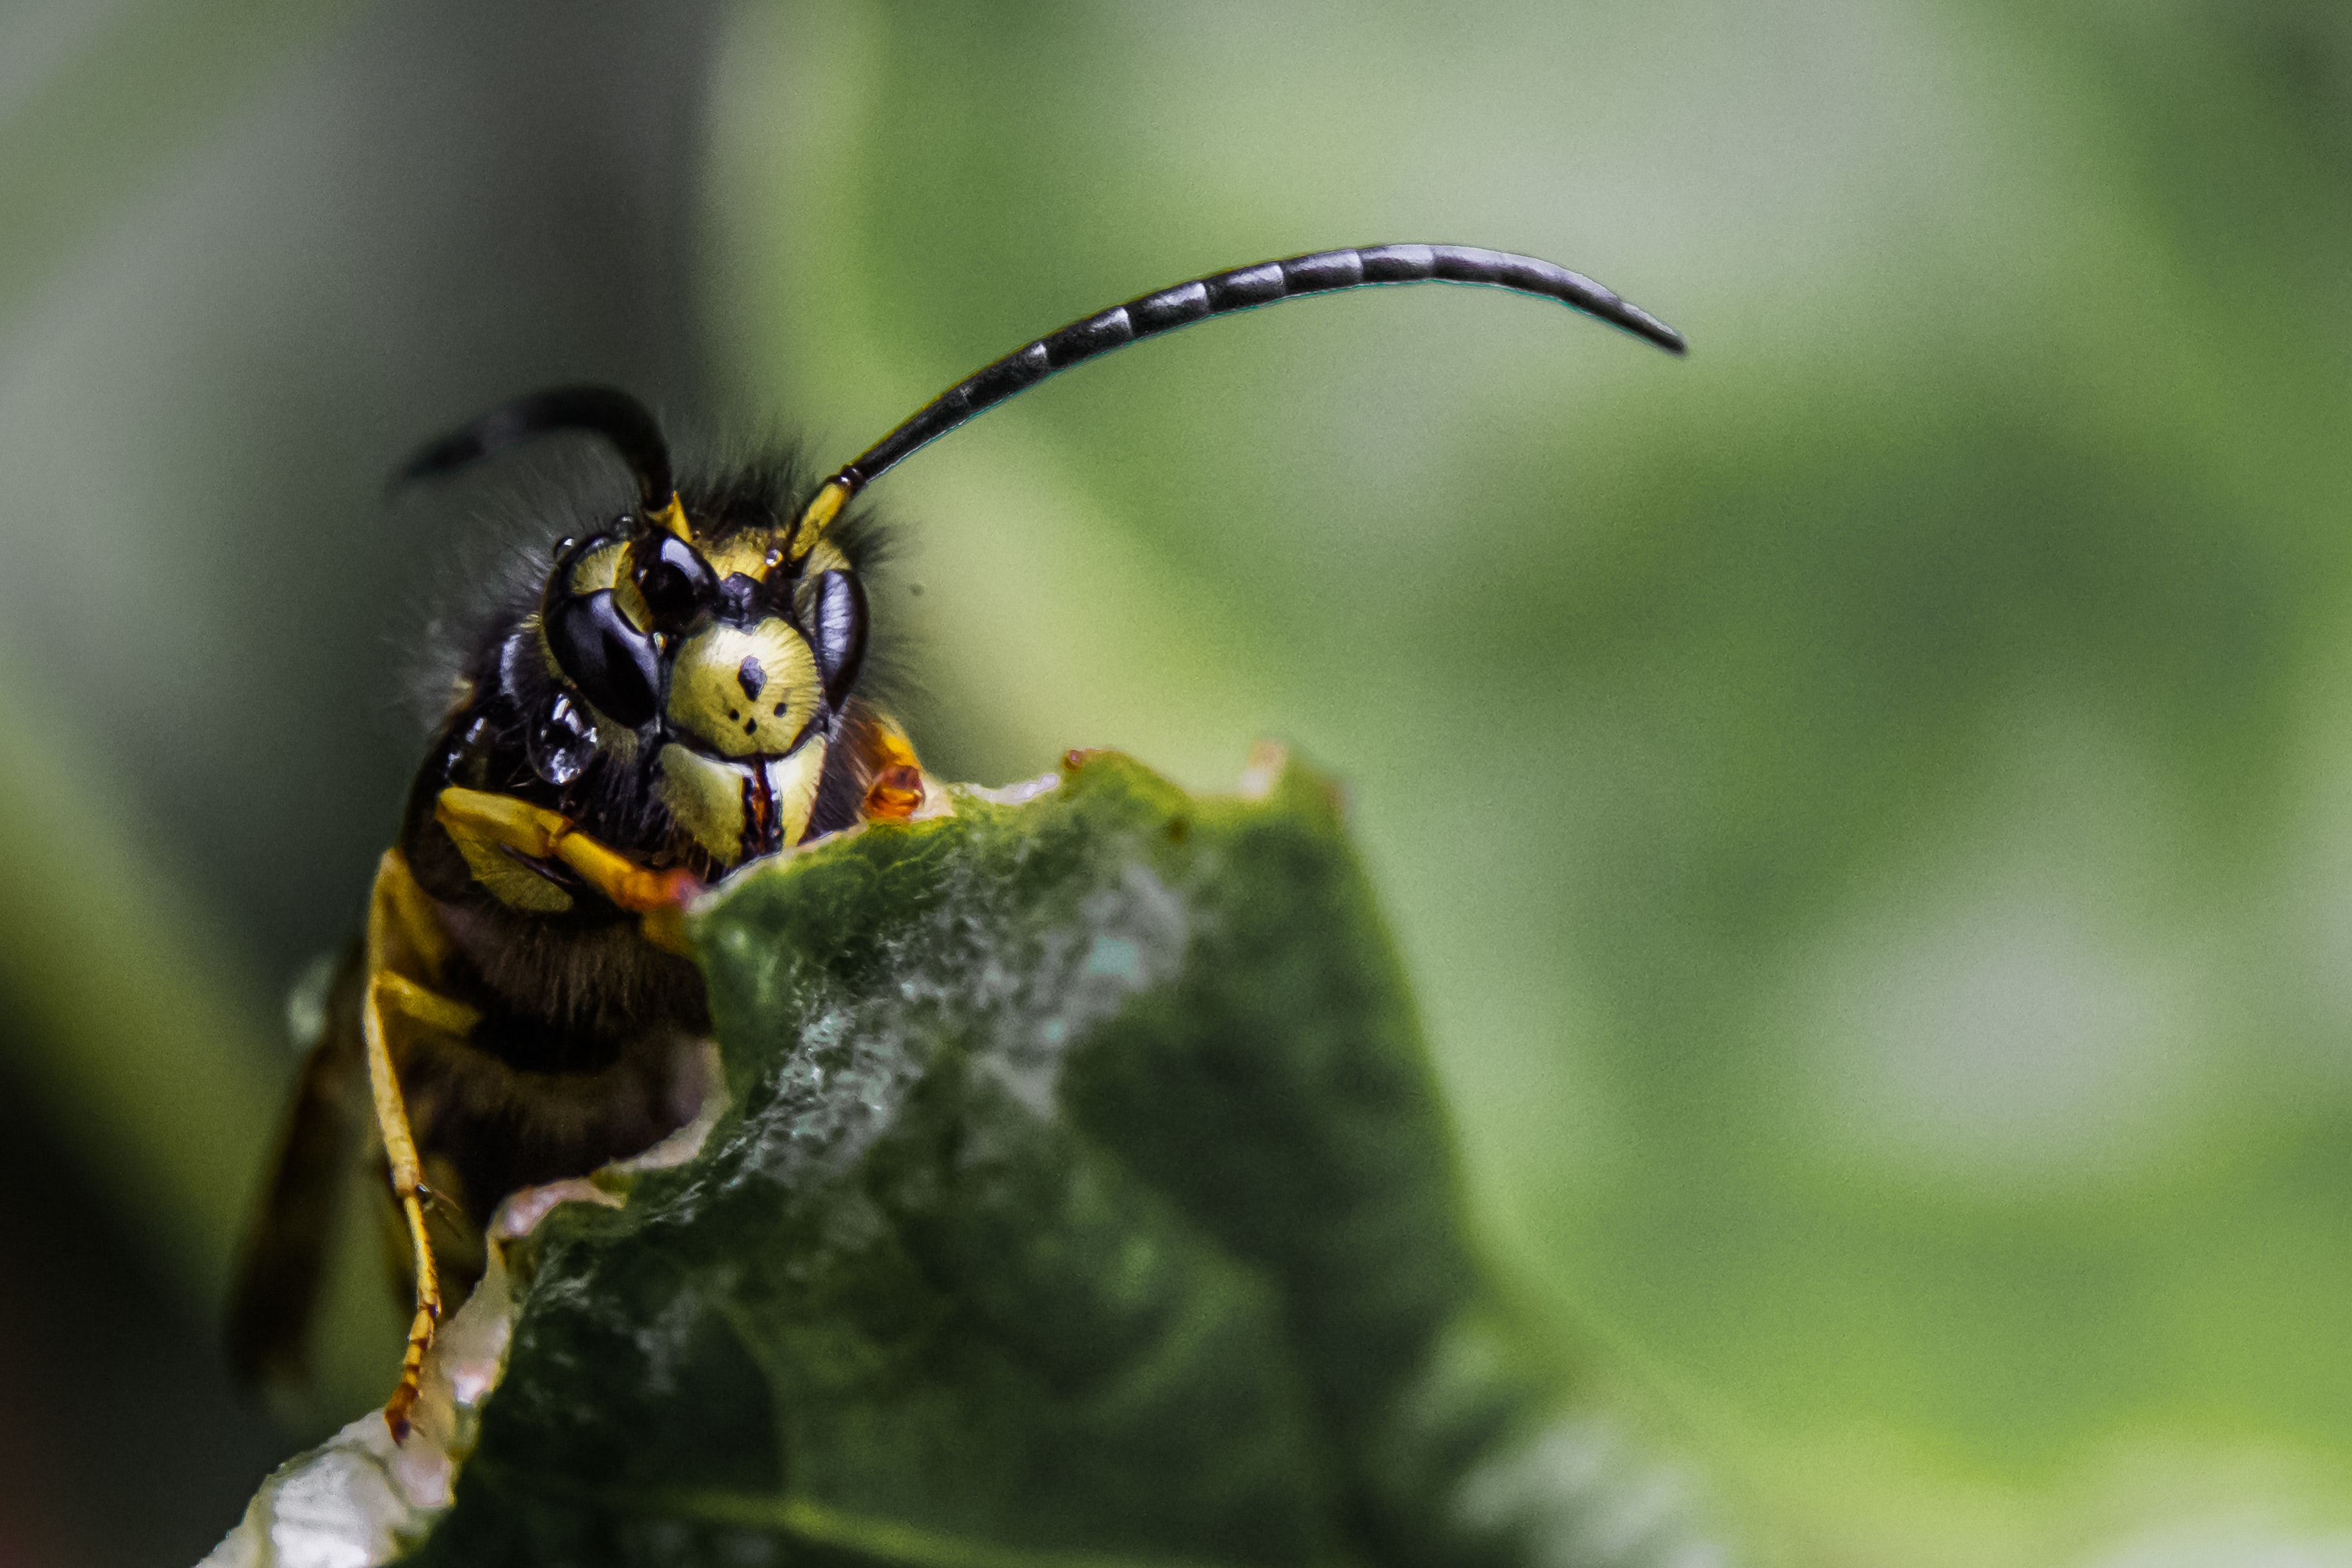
(277, 1290)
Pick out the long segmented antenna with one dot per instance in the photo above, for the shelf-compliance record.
(624, 423)
(1267, 283)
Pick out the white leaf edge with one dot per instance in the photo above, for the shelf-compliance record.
(358, 1500)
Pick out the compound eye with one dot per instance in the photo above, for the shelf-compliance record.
(612, 662)
(839, 632)
(678, 583)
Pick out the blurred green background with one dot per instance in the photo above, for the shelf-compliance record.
(1868, 809)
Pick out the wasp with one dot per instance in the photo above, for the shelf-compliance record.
(673, 694)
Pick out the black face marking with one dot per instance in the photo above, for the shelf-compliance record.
(752, 677)
(780, 708)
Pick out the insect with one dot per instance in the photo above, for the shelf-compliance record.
(674, 696)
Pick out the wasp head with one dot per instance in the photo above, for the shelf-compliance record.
(721, 660)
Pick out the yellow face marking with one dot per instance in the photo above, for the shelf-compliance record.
(747, 552)
(794, 780)
(706, 797)
(607, 567)
(600, 568)
(744, 691)
(713, 801)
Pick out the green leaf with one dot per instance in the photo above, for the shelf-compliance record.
(1084, 1198)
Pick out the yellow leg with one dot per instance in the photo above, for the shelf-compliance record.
(400, 927)
(896, 793)
(542, 835)
(408, 1186)
(440, 1014)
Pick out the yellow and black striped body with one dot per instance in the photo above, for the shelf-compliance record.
(690, 742)
(667, 704)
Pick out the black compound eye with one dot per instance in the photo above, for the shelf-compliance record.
(677, 582)
(612, 662)
(839, 632)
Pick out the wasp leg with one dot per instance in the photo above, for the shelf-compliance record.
(896, 793)
(413, 938)
(407, 1185)
(403, 935)
(479, 817)
(418, 1004)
